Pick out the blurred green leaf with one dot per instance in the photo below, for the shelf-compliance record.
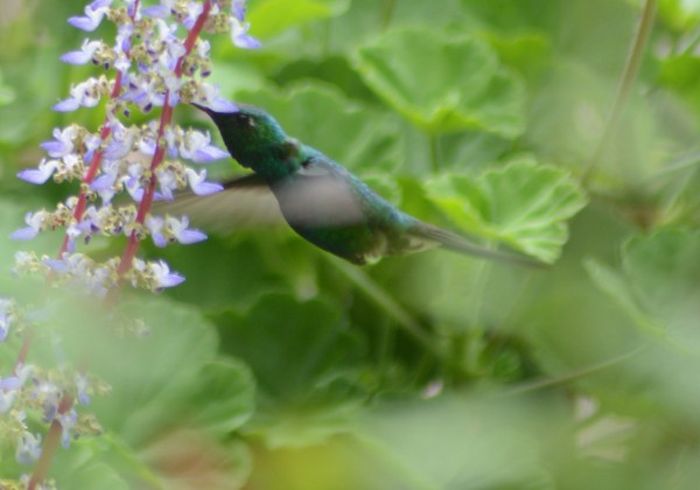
(306, 363)
(295, 349)
(461, 442)
(618, 289)
(270, 17)
(95, 475)
(225, 397)
(523, 204)
(660, 284)
(528, 54)
(7, 95)
(567, 118)
(444, 84)
(681, 74)
(161, 369)
(320, 116)
(679, 14)
(335, 70)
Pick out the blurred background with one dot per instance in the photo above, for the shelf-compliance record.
(275, 366)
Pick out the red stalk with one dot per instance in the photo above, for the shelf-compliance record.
(48, 450)
(165, 119)
(96, 160)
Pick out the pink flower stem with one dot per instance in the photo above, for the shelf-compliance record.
(50, 446)
(24, 350)
(165, 119)
(53, 436)
(96, 159)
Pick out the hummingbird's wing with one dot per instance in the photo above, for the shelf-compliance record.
(320, 194)
(316, 196)
(245, 202)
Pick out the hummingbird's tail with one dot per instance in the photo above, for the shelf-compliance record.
(457, 243)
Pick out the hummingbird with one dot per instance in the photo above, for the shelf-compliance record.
(320, 199)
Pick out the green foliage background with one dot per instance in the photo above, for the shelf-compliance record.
(276, 366)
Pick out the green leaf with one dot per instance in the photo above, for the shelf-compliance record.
(679, 14)
(659, 286)
(681, 74)
(528, 54)
(225, 397)
(7, 95)
(616, 286)
(444, 84)
(320, 116)
(161, 369)
(96, 475)
(456, 443)
(271, 17)
(297, 350)
(306, 363)
(524, 204)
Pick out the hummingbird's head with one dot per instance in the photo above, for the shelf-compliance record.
(248, 132)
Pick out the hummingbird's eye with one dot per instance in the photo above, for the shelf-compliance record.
(247, 120)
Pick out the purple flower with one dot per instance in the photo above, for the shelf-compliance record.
(198, 148)
(199, 185)
(39, 175)
(156, 11)
(179, 229)
(8, 392)
(56, 265)
(121, 144)
(81, 386)
(214, 101)
(87, 94)
(164, 230)
(156, 274)
(104, 184)
(130, 6)
(240, 36)
(163, 277)
(193, 11)
(67, 105)
(62, 144)
(84, 55)
(6, 317)
(94, 13)
(28, 448)
(10, 383)
(155, 227)
(35, 222)
(147, 146)
(238, 9)
(167, 182)
(68, 421)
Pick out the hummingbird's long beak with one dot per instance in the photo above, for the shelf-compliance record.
(204, 109)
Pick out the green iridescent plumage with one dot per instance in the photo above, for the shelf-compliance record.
(322, 201)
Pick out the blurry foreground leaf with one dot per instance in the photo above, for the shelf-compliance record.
(523, 204)
(95, 475)
(7, 95)
(455, 443)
